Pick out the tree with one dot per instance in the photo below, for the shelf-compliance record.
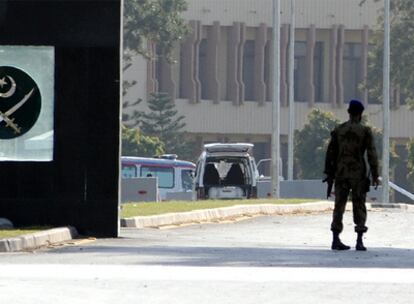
(130, 115)
(402, 52)
(162, 121)
(402, 65)
(410, 161)
(136, 144)
(311, 143)
(158, 21)
(377, 133)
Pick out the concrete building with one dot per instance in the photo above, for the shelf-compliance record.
(222, 80)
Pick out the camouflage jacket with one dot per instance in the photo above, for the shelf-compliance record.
(346, 150)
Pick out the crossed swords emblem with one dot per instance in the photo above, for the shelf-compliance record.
(6, 116)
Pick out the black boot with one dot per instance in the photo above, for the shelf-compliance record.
(337, 244)
(360, 244)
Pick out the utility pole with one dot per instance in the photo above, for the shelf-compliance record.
(291, 131)
(386, 106)
(276, 101)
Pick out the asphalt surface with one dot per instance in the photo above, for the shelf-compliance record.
(270, 259)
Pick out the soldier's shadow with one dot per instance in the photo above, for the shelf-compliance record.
(287, 257)
(384, 257)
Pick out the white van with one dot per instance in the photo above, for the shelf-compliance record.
(173, 175)
(226, 171)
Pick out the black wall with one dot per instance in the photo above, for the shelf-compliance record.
(80, 186)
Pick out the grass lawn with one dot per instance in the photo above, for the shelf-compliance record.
(9, 233)
(142, 209)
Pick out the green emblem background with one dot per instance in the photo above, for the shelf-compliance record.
(26, 116)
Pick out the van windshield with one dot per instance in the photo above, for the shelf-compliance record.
(187, 179)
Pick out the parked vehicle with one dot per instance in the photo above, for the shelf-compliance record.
(226, 171)
(173, 175)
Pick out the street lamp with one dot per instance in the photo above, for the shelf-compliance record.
(291, 130)
(386, 106)
(276, 101)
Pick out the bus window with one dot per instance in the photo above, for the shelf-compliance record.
(165, 175)
(129, 171)
(187, 179)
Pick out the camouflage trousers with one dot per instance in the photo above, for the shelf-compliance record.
(342, 190)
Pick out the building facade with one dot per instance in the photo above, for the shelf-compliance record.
(222, 81)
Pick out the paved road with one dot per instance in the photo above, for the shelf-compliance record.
(278, 259)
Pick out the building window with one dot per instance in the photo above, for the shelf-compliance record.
(202, 68)
(300, 71)
(300, 91)
(371, 99)
(267, 69)
(182, 84)
(351, 70)
(318, 71)
(159, 70)
(248, 70)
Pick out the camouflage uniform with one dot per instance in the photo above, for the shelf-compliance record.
(346, 164)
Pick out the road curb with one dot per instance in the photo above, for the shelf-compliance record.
(409, 207)
(208, 215)
(38, 239)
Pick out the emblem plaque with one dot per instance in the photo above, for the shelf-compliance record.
(20, 102)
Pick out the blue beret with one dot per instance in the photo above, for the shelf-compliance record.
(355, 106)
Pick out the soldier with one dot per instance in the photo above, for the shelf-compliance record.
(345, 164)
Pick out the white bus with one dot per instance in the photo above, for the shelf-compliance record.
(173, 175)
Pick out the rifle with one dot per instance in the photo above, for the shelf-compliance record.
(330, 181)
